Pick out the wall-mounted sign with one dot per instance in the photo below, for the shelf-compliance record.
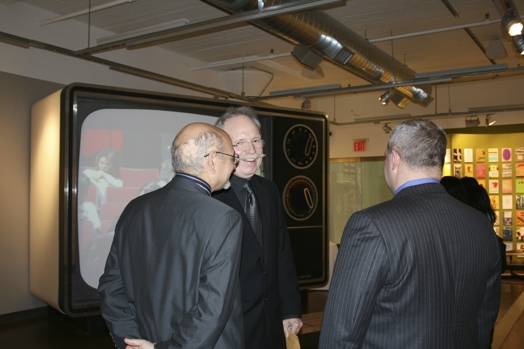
(359, 144)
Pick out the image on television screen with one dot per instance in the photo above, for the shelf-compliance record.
(124, 153)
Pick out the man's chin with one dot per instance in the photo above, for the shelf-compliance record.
(245, 171)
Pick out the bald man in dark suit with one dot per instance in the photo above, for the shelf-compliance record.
(419, 271)
(171, 277)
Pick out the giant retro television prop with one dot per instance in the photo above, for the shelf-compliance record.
(83, 130)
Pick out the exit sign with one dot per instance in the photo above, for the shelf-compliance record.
(359, 144)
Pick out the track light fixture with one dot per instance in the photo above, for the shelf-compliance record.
(384, 98)
(518, 42)
(512, 24)
(306, 105)
(386, 128)
(472, 121)
(489, 121)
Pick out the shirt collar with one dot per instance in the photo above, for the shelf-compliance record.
(238, 183)
(197, 181)
(416, 182)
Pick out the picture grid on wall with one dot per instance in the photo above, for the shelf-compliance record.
(501, 172)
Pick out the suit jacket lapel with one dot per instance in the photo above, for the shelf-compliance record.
(265, 208)
(230, 198)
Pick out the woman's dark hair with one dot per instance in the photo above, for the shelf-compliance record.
(455, 188)
(479, 198)
(113, 157)
(467, 181)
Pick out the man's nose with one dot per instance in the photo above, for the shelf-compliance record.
(250, 148)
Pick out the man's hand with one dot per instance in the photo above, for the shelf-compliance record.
(138, 344)
(292, 325)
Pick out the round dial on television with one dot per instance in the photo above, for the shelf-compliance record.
(300, 146)
(300, 198)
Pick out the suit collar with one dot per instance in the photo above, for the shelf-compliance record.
(416, 182)
(181, 183)
(202, 184)
(421, 189)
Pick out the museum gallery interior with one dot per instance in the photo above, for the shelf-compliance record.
(329, 80)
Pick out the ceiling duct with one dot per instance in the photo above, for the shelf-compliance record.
(325, 36)
(307, 57)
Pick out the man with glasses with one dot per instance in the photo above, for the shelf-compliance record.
(419, 271)
(269, 283)
(171, 277)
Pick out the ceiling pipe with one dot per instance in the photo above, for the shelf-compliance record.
(333, 41)
(27, 43)
(470, 112)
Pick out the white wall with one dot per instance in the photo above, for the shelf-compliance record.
(17, 94)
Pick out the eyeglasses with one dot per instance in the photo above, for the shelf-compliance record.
(235, 157)
(257, 143)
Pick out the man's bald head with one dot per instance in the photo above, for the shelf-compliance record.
(193, 142)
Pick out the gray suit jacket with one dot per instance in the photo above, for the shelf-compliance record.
(172, 273)
(419, 271)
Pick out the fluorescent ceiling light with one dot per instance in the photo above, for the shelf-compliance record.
(335, 89)
(239, 60)
(15, 41)
(304, 90)
(86, 11)
(145, 31)
(378, 119)
(499, 108)
(464, 71)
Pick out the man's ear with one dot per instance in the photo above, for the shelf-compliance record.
(395, 159)
(211, 161)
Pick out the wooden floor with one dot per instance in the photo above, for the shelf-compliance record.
(53, 331)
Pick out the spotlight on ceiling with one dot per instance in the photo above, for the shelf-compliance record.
(384, 98)
(518, 42)
(472, 121)
(489, 121)
(386, 128)
(512, 24)
(306, 105)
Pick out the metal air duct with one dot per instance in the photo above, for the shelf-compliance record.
(322, 34)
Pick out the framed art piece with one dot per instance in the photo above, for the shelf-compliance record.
(493, 154)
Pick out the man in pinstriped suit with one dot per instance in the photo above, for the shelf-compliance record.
(419, 271)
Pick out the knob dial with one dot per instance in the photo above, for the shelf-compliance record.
(300, 198)
(300, 146)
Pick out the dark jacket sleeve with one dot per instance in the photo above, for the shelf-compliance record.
(290, 302)
(117, 311)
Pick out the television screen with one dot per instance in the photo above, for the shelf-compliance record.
(96, 148)
(123, 153)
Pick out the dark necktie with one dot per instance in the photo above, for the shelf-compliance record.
(253, 214)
